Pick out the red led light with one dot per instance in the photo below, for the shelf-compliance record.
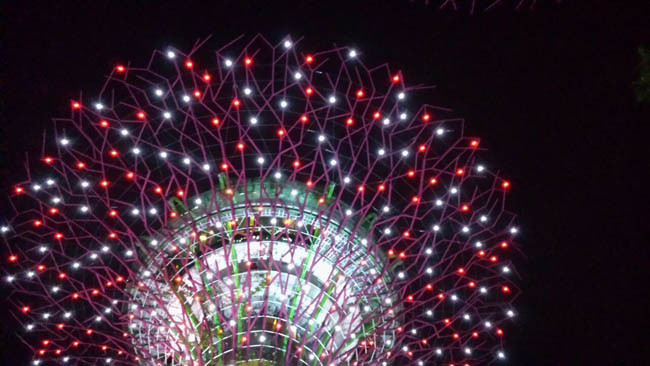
(19, 190)
(189, 64)
(433, 181)
(76, 105)
(349, 121)
(426, 117)
(120, 68)
(396, 78)
(360, 93)
(464, 208)
(130, 175)
(113, 153)
(81, 165)
(180, 193)
(240, 146)
(58, 236)
(411, 173)
(422, 148)
(13, 258)
(248, 61)
(281, 132)
(304, 118)
(309, 59)
(103, 183)
(296, 163)
(460, 171)
(215, 121)
(236, 102)
(48, 160)
(474, 143)
(207, 77)
(505, 184)
(197, 93)
(376, 115)
(309, 91)
(141, 115)
(104, 123)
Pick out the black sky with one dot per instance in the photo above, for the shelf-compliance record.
(549, 91)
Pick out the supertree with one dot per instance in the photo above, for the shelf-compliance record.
(260, 205)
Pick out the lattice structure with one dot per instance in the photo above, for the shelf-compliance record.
(482, 5)
(260, 205)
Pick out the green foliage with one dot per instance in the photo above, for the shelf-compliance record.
(643, 84)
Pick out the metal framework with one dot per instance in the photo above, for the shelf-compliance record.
(261, 205)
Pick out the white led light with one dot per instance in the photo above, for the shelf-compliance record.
(332, 99)
(381, 152)
(480, 168)
(247, 91)
(186, 161)
(124, 132)
(287, 44)
(386, 121)
(253, 120)
(36, 187)
(333, 162)
(321, 138)
(64, 141)
(136, 150)
(401, 95)
(346, 180)
(284, 104)
(227, 62)
(352, 54)
(186, 98)
(167, 115)
(436, 228)
(171, 54)
(99, 106)
(297, 76)
(440, 131)
(163, 154)
(206, 167)
(405, 153)
(260, 160)
(84, 209)
(278, 175)
(402, 116)
(158, 92)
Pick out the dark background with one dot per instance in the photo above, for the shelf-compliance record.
(549, 90)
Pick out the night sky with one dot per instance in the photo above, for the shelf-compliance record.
(549, 91)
